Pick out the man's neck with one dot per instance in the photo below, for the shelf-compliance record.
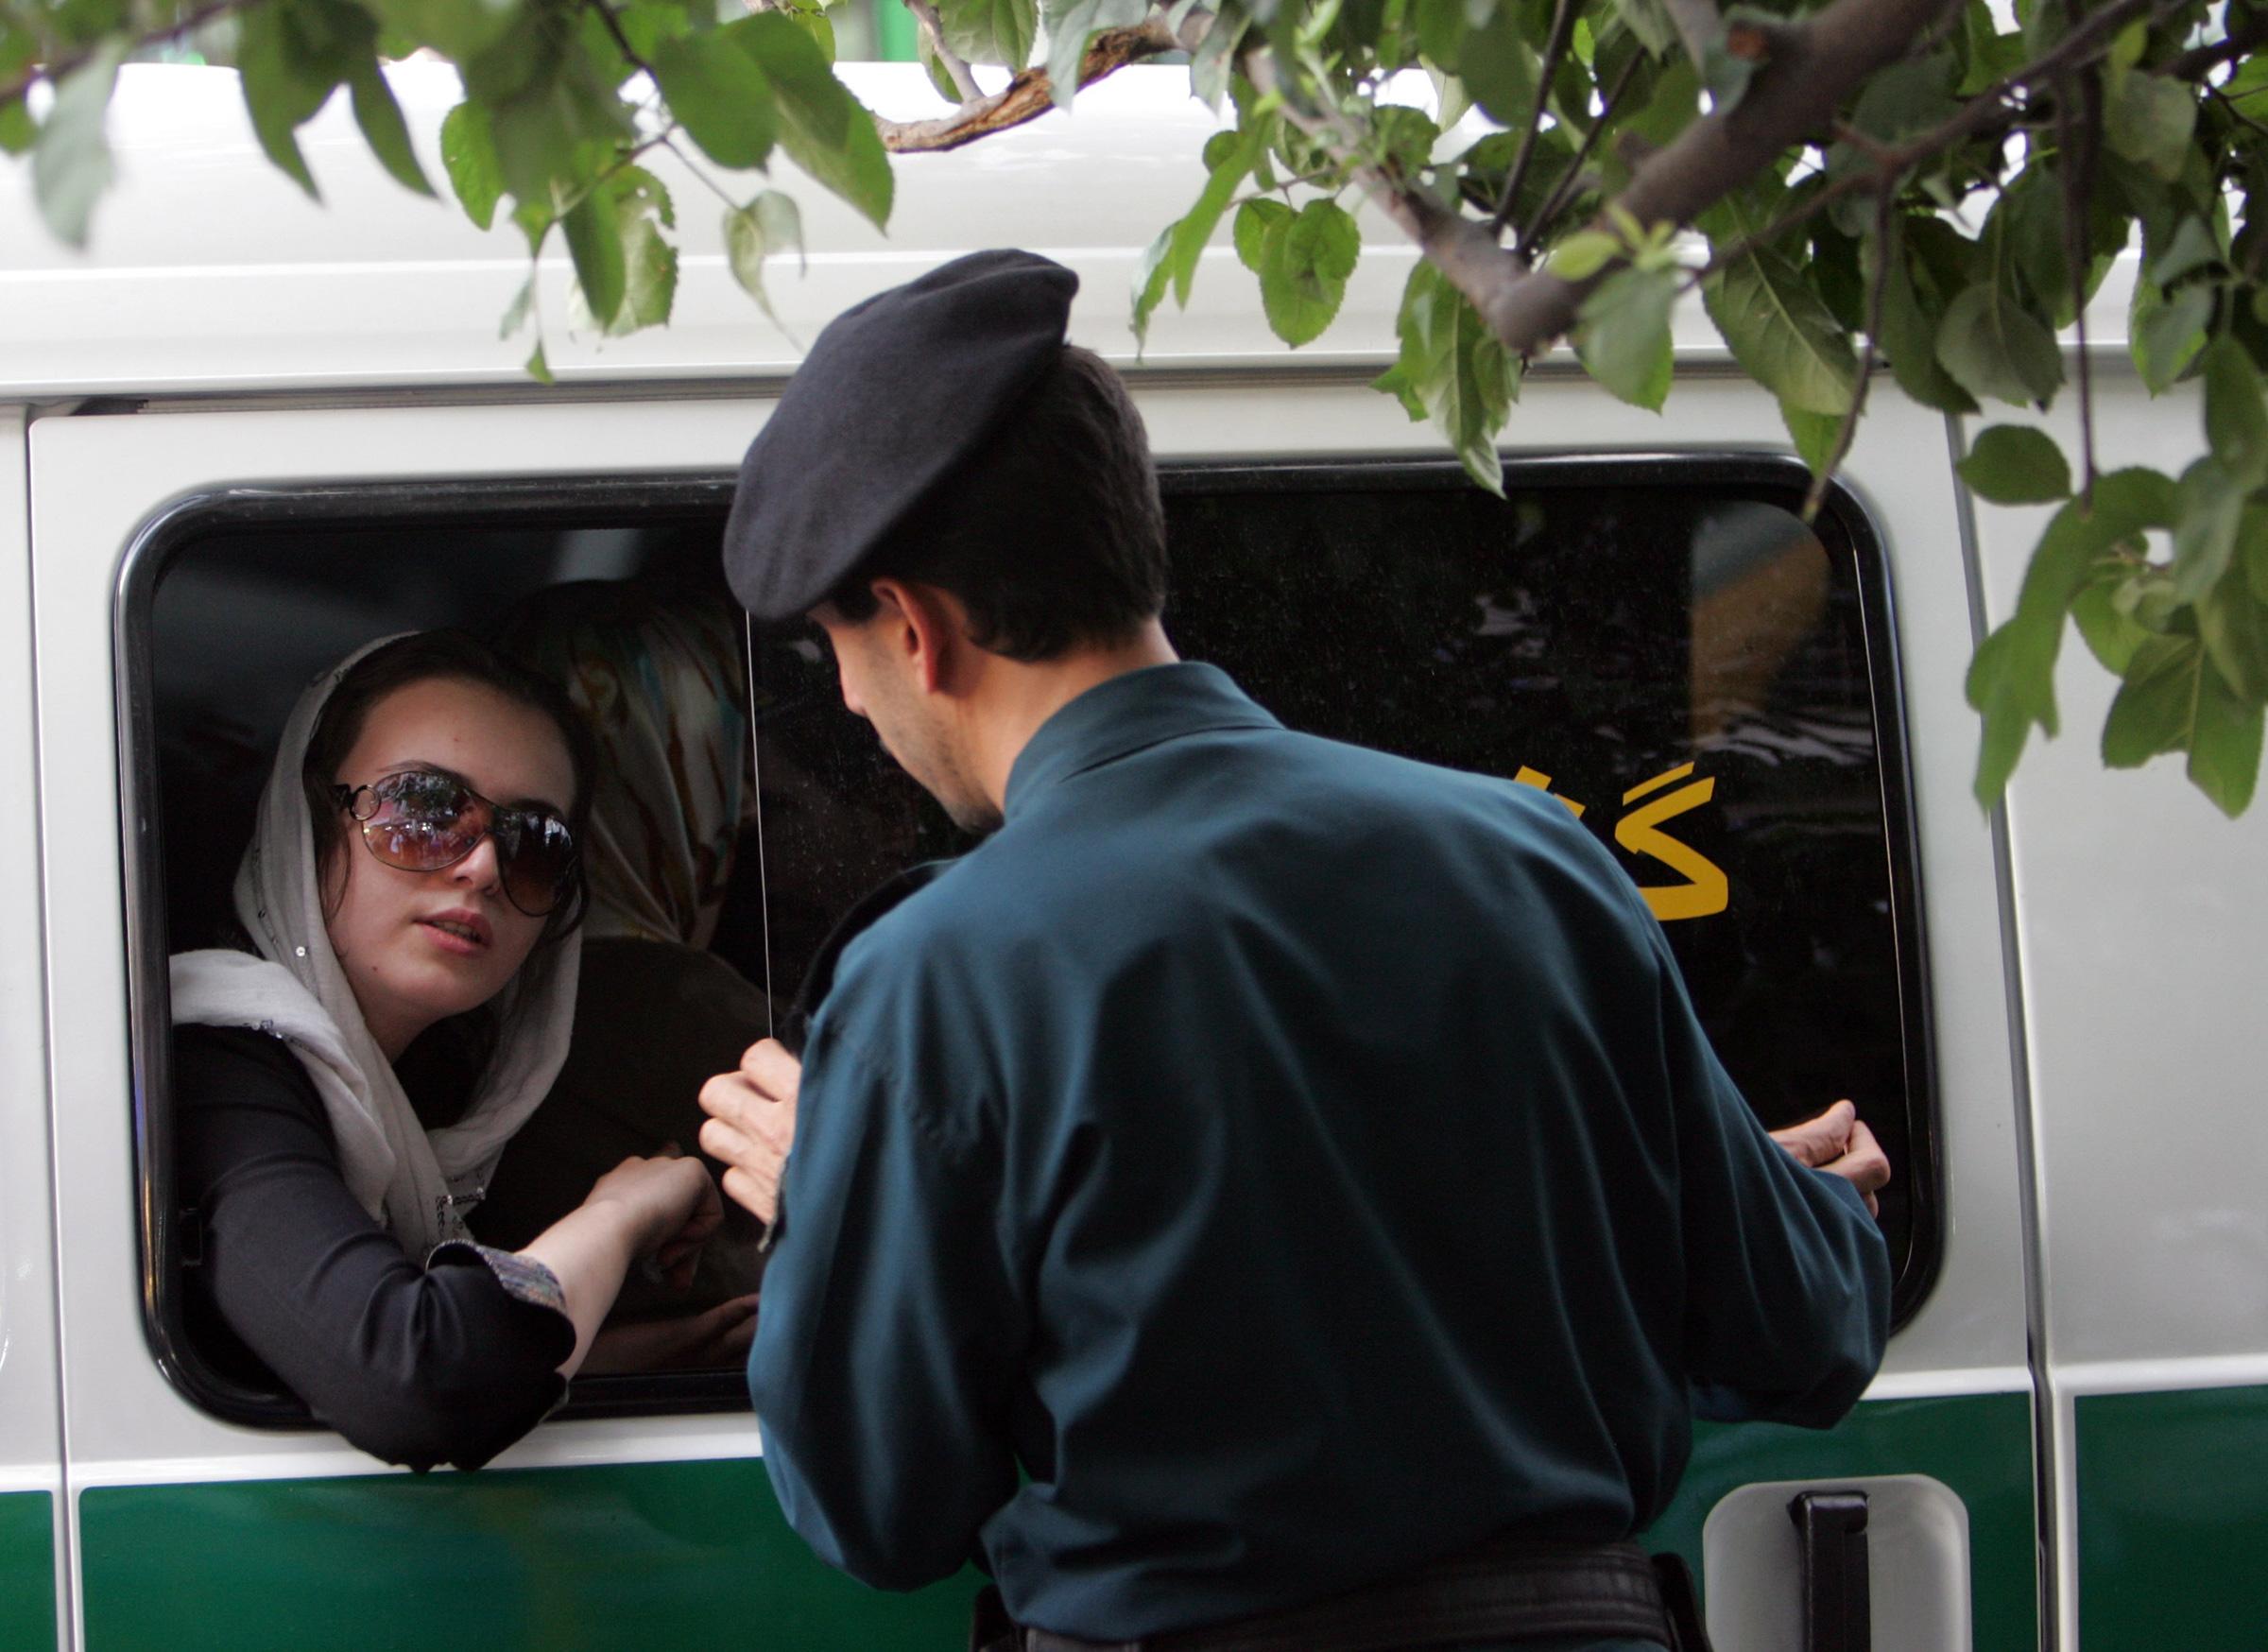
(1017, 698)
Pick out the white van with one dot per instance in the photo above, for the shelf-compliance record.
(247, 433)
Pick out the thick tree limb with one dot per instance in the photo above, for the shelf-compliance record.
(1030, 94)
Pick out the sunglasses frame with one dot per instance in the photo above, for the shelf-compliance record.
(563, 889)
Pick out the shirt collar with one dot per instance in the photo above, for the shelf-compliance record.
(1123, 714)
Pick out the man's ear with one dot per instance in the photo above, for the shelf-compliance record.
(930, 628)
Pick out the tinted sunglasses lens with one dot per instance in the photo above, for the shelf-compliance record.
(538, 853)
(421, 822)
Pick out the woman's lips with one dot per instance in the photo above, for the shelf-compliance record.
(462, 934)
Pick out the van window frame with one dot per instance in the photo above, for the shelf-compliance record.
(1844, 522)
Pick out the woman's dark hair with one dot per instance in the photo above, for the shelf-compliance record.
(450, 656)
(1051, 535)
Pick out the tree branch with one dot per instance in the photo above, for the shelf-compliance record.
(1563, 26)
(1698, 23)
(957, 68)
(2198, 61)
(1030, 94)
(62, 68)
(1532, 234)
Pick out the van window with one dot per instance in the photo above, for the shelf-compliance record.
(1660, 643)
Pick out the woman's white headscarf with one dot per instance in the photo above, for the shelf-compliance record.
(418, 1183)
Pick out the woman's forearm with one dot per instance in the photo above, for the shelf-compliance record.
(589, 1251)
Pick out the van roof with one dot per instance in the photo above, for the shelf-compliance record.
(209, 271)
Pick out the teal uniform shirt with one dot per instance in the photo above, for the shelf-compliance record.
(1264, 1165)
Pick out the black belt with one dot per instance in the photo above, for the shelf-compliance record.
(1504, 1589)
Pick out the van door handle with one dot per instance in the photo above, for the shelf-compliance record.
(1831, 1529)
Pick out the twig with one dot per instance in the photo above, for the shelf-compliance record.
(715, 188)
(1698, 24)
(2078, 128)
(622, 41)
(1563, 26)
(955, 67)
(62, 68)
(2230, 104)
(1885, 203)
(1030, 94)
(1531, 236)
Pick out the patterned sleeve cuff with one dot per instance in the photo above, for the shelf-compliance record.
(521, 1277)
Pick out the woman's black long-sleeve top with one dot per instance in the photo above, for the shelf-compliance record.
(418, 1364)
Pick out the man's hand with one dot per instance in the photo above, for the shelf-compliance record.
(751, 1125)
(1839, 1143)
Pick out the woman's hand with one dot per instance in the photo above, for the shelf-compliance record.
(702, 1341)
(672, 1206)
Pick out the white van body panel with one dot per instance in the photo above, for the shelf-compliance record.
(30, 1414)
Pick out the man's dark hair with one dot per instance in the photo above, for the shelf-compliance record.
(458, 657)
(1052, 537)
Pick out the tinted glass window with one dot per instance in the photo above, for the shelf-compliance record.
(1665, 646)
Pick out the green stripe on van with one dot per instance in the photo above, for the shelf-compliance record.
(1980, 1445)
(645, 1557)
(27, 1570)
(2172, 1512)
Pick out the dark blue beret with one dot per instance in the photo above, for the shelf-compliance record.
(895, 392)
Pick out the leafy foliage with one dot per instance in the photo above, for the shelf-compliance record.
(1943, 208)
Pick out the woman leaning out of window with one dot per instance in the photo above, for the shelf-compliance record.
(347, 1072)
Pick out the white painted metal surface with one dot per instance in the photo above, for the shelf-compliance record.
(30, 1416)
(2138, 907)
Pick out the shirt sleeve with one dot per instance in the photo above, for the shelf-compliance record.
(1788, 1275)
(445, 1363)
(885, 1343)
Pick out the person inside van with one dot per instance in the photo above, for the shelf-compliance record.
(660, 675)
(408, 909)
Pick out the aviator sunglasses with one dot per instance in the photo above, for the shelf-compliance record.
(421, 821)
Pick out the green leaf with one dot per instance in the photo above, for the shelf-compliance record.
(1305, 261)
(2232, 623)
(380, 118)
(2150, 119)
(17, 133)
(990, 31)
(2012, 678)
(720, 94)
(767, 225)
(594, 237)
(469, 156)
(1995, 348)
(2235, 422)
(1583, 254)
(2111, 633)
(456, 28)
(1910, 334)
(1814, 434)
(1232, 157)
(2225, 746)
(2194, 249)
(286, 79)
(2156, 706)
(522, 306)
(71, 162)
(2205, 529)
(1151, 275)
(1650, 22)
(1070, 25)
(2165, 334)
(2014, 464)
(1781, 330)
(538, 368)
(650, 277)
(1454, 369)
(1623, 335)
(827, 131)
(1501, 69)
(1254, 220)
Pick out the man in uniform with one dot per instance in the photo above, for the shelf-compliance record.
(1269, 1193)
